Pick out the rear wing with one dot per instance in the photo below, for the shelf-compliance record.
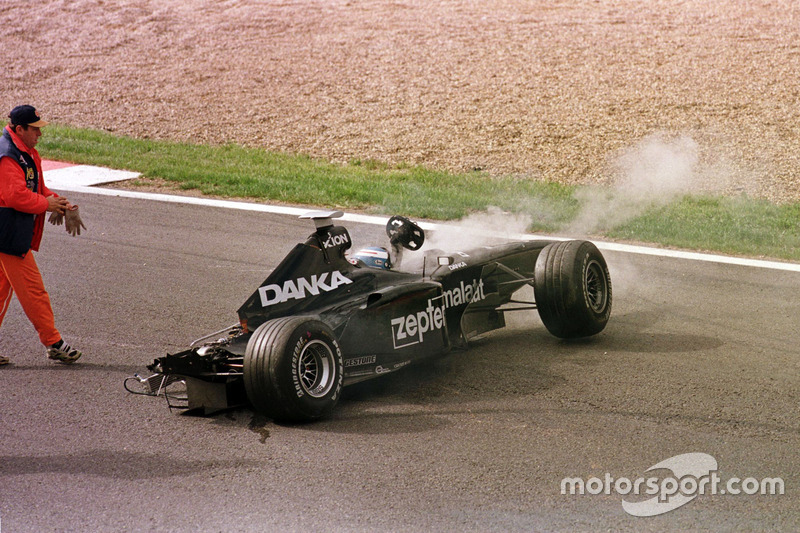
(322, 219)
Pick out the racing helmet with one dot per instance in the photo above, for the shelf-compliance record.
(373, 256)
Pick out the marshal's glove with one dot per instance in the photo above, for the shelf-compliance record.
(56, 218)
(73, 221)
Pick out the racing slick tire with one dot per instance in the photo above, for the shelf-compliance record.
(572, 288)
(293, 369)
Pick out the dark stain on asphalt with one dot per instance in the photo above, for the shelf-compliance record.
(259, 425)
(114, 464)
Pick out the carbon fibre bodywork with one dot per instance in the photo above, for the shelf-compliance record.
(382, 320)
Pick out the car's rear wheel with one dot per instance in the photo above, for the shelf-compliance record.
(293, 369)
(572, 287)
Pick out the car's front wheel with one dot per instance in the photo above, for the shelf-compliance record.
(293, 369)
(572, 287)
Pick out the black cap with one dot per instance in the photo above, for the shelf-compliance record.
(26, 115)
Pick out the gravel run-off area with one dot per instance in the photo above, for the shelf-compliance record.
(559, 90)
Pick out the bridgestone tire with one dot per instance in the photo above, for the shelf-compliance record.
(293, 369)
(572, 287)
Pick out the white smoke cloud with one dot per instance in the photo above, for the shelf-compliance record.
(656, 171)
(478, 229)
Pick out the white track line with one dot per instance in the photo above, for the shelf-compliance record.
(367, 219)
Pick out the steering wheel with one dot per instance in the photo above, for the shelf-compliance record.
(402, 231)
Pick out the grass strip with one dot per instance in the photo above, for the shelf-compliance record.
(735, 225)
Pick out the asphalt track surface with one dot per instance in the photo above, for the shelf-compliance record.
(697, 357)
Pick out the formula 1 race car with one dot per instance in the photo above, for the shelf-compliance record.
(323, 320)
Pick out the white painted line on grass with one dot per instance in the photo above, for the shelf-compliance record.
(697, 256)
(84, 176)
(78, 178)
(381, 220)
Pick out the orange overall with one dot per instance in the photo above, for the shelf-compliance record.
(21, 275)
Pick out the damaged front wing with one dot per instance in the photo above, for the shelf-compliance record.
(211, 374)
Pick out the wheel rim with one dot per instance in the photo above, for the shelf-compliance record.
(315, 369)
(596, 287)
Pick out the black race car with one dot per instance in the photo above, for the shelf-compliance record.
(323, 320)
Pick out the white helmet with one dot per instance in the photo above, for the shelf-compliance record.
(373, 256)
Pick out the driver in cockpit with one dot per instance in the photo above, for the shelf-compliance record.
(372, 256)
(402, 233)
